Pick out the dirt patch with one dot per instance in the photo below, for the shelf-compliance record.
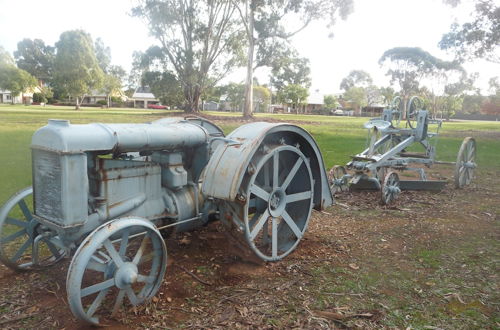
(428, 260)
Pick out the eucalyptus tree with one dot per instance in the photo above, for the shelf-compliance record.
(35, 57)
(478, 38)
(201, 41)
(407, 66)
(265, 26)
(356, 78)
(76, 69)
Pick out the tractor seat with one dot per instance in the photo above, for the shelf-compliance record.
(378, 123)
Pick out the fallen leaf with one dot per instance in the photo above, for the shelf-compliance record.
(354, 266)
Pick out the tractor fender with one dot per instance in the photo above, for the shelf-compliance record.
(228, 165)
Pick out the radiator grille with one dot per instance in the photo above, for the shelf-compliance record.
(47, 185)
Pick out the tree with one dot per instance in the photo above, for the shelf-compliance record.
(290, 70)
(261, 98)
(407, 66)
(357, 97)
(357, 78)
(15, 80)
(200, 39)
(479, 38)
(36, 58)
(491, 106)
(296, 95)
(5, 57)
(264, 23)
(388, 94)
(76, 70)
(330, 102)
(102, 54)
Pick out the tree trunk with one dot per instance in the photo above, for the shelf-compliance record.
(192, 96)
(77, 105)
(107, 100)
(248, 109)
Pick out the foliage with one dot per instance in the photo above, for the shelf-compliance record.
(491, 105)
(357, 78)
(102, 102)
(102, 54)
(36, 58)
(5, 57)
(296, 95)
(290, 70)
(199, 40)
(479, 38)
(39, 98)
(357, 97)
(331, 102)
(387, 93)
(15, 80)
(76, 70)
(407, 66)
(264, 24)
(261, 98)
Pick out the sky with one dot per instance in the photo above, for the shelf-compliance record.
(358, 42)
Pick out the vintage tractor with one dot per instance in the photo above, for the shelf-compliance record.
(106, 195)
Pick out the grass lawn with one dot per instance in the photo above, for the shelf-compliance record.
(430, 262)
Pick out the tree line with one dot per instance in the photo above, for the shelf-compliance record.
(201, 42)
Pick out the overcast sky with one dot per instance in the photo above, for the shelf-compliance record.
(358, 42)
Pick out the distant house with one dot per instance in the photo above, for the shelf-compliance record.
(143, 97)
(25, 98)
(210, 106)
(95, 96)
(315, 101)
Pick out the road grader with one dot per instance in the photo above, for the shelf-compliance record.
(105, 195)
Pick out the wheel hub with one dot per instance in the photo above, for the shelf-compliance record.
(277, 202)
(469, 165)
(126, 275)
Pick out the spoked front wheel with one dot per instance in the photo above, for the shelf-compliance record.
(465, 165)
(123, 258)
(25, 243)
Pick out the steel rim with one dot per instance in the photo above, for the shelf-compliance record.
(124, 258)
(390, 188)
(24, 243)
(464, 170)
(279, 203)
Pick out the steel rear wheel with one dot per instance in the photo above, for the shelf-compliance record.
(24, 243)
(124, 258)
(465, 165)
(390, 188)
(279, 203)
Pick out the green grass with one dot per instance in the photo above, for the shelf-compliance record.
(338, 137)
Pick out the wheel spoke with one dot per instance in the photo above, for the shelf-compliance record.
(15, 222)
(259, 192)
(298, 196)
(112, 253)
(124, 242)
(140, 251)
(97, 266)
(258, 226)
(97, 302)
(292, 173)
(53, 249)
(132, 296)
(276, 166)
(21, 250)
(97, 287)
(267, 178)
(274, 237)
(118, 302)
(293, 226)
(145, 279)
(24, 209)
(13, 236)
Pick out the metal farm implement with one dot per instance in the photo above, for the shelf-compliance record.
(105, 194)
(387, 152)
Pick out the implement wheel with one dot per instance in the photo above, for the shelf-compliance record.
(465, 165)
(390, 188)
(337, 180)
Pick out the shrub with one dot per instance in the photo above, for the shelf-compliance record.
(102, 102)
(39, 98)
